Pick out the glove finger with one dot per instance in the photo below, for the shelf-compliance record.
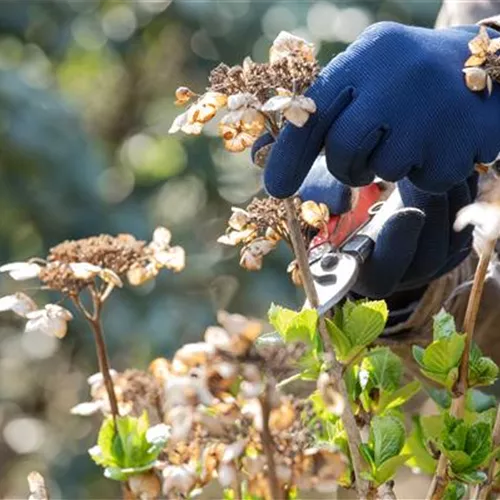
(297, 148)
(434, 240)
(394, 251)
(352, 141)
(322, 187)
(261, 149)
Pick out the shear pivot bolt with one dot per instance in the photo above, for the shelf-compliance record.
(329, 261)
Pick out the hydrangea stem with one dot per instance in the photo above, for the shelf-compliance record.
(440, 479)
(335, 370)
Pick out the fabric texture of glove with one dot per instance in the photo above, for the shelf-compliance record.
(394, 104)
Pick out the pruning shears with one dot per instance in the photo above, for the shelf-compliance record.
(336, 255)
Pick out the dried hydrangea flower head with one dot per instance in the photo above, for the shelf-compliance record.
(98, 264)
(135, 391)
(483, 65)
(255, 96)
(213, 404)
(260, 226)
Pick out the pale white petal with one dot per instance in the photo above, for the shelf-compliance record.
(296, 115)
(178, 123)
(174, 258)
(84, 270)
(306, 103)
(226, 474)
(158, 433)
(21, 270)
(109, 276)
(19, 303)
(484, 216)
(97, 378)
(244, 99)
(56, 311)
(277, 103)
(162, 237)
(234, 450)
(87, 408)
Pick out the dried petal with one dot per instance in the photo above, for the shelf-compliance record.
(19, 303)
(294, 270)
(84, 270)
(277, 103)
(474, 60)
(234, 450)
(174, 259)
(191, 355)
(226, 474)
(86, 409)
(239, 219)
(109, 276)
(250, 261)
(283, 417)
(242, 100)
(137, 275)
(287, 45)
(479, 44)
(333, 400)
(475, 79)
(235, 237)
(158, 433)
(145, 486)
(240, 142)
(52, 320)
(494, 46)
(161, 237)
(183, 95)
(315, 214)
(21, 270)
(178, 478)
(296, 115)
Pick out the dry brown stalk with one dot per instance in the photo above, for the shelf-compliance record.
(440, 479)
(335, 371)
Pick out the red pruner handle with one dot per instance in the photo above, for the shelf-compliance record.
(340, 227)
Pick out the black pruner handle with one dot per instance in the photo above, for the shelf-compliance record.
(359, 246)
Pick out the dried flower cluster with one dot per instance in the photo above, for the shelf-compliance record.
(223, 414)
(483, 66)
(263, 224)
(136, 391)
(98, 264)
(255, 96)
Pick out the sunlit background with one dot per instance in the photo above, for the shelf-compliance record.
(86, 100)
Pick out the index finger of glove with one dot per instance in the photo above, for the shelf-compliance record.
(296, 148)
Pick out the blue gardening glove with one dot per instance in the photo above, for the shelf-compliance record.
(415, 246)
(394, 104)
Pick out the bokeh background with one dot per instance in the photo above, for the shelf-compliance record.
(86, 100)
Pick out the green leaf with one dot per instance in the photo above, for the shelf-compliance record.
(443, 325)
(112, 452)
(115, 473)
(459, 460)
(294, 326)
(389, 468)
(482, 371)
(454, 491)
(454, 434)
(418, 354)
(441, 397)
(478, 443)
(416, 447)
(340, 341)
(472, 477)
(387, 437)
(367, 455)
(444, 354)
(399, 397)
(365, 322)
(432, 427)
(385, 368)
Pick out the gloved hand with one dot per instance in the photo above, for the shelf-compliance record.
(394, 104)
(416, 245)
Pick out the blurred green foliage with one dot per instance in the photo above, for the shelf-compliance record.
(85, 105)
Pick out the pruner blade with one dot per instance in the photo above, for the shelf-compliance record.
(336, 270)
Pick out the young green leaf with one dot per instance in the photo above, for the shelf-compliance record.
(459, 460)
(478, 443)
(443, 325)
(365, 322)
(340, 341)
(454, 491)
(472, 477)
(389, 468)
(397, 398)
(441, 397)
(385, 368)
(387, 437)
(294, 326)
(416, 447)
(444, 354)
